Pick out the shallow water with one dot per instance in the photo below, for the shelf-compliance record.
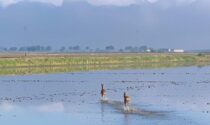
(175, 96)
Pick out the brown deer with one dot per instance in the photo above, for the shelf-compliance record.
(103, 92)
(127, 100)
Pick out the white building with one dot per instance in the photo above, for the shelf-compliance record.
(148, 50)
(178, 50)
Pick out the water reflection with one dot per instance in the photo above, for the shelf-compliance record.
(134, 110)
(102, 113)
(53, 107)
(7, 107)
(59, 113)
(138, 114)
(45, 108)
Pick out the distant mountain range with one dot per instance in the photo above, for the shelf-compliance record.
(83, 24)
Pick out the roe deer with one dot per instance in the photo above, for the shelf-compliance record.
(127, 100)
(103, 92)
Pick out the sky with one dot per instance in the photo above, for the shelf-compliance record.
(183, 24)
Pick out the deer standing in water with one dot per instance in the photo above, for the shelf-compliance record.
(127, 101)
(103, 92)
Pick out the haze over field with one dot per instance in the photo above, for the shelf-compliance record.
(97, 23)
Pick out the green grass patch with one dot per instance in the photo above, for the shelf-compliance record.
(87, 62)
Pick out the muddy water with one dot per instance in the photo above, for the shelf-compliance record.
(175, 96)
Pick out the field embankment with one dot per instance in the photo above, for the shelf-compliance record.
(49, 63)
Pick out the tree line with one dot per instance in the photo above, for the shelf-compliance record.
(77, 48)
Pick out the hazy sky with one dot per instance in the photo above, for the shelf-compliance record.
(97, 23)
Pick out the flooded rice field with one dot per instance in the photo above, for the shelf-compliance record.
(175, 96)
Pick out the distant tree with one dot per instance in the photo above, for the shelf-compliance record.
(143, 48)
(110, 48)
(98, 50)
(87, 48)
(152, 50)
(70, 48)
(48, 48)
(13, 48)
(37, 48)
(42, 49)
(23, 49)
(5, 49)
(33, 48)
(135, 49)
(120, 50)
(62, 49)
(162, 50)
(128, 48)
(76, 48)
